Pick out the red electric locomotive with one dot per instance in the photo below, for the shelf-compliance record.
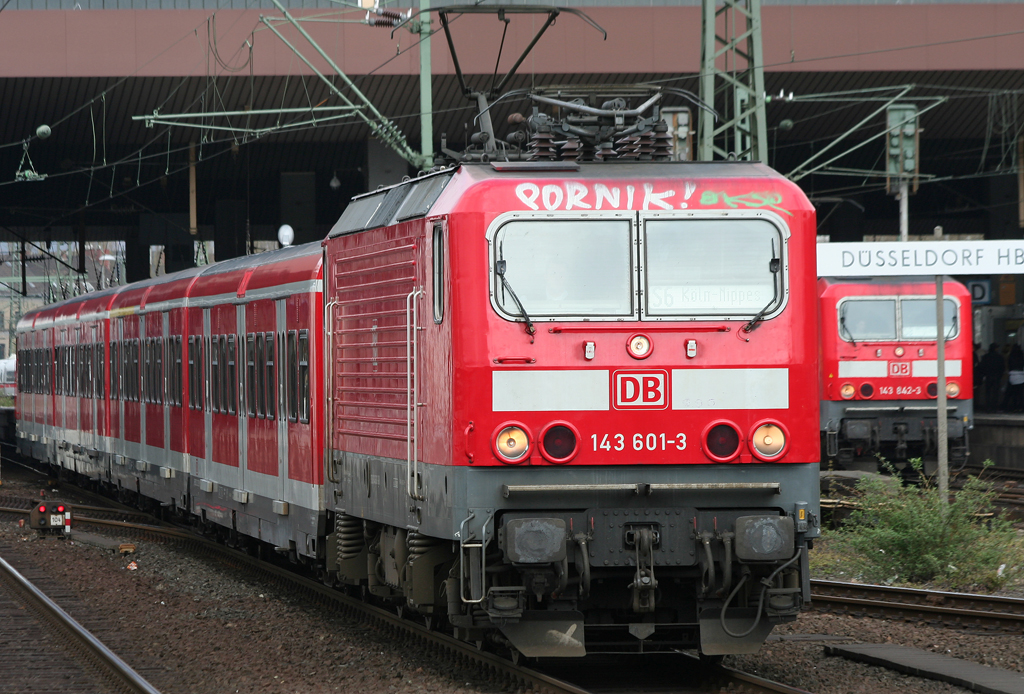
(574, 403)
(879, 369)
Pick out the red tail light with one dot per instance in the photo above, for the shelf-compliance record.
(559, 443)
(721, 441)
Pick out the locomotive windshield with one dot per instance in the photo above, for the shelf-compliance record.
(889, 319)
(566, 267)
(711, 267)
(918, 318)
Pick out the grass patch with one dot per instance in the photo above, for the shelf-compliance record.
(6, 401)
(905, 534)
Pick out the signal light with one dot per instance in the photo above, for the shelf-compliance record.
(721, 441)
(42, 509)
(639, 347)
(512, 443)
(559, 443)
(60, 509)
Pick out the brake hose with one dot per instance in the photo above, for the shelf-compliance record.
(760, 602)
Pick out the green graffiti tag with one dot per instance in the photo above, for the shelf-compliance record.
(772, 200)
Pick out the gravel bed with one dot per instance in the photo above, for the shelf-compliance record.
(192, 626)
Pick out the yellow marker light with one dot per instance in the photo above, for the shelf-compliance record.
(512, 443)
(847, 391)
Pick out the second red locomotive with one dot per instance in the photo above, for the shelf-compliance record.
(879, 370)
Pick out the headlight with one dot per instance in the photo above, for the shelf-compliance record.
(639, 346)
(512, 443)
(768, 440)
(847, 391)
(952, 390)
(899, 351)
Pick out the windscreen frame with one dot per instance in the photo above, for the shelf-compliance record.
(494, 281)
(778, 305)
(898, 300)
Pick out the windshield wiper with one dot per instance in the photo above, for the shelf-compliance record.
(499, 267)
(952, 326)
(842, 325)
(773, 266)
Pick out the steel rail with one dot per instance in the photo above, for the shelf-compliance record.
(963, 610)
(459, 651)
(111, 665)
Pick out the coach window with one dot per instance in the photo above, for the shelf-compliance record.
(113, 370)
(261, 384)
(712, 267)
(158, 383)
(99, 374)
(271, 381)
(438, 288)
(178, 380)
(250, 372)
(869, 319)
(293, 377)
(195, 373)
(917, 319)
(231, 391)
(215, 380)
(304, 376)
(225, 380)
(559, 268)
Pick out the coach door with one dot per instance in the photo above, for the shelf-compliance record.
(282, 407)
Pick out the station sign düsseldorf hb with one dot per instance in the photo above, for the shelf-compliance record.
(890, 258)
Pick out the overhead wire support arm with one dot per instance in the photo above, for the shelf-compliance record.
(801, 171)
(379, 125)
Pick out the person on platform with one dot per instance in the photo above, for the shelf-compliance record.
(1015, 381)
(992, 366)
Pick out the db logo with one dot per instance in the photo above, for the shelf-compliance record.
(646, 389)
(899, 368)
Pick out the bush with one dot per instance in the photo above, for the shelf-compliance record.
(906, 533)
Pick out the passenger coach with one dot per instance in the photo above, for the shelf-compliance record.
(191, 390)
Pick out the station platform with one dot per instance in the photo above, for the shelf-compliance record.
(920, 663)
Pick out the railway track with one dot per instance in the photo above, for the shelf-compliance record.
(89, 666)
(956, 610)
(566, 680)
